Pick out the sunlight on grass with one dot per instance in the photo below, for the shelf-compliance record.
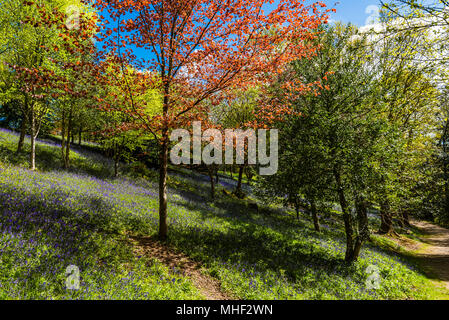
(53, 219)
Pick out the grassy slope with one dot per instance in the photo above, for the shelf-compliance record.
(50, 219)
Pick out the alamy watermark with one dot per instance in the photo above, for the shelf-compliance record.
(255, 141)
(373, 280)
(73, 17)
(373, 12)
(72, 281)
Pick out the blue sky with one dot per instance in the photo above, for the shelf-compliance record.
(357, 12)
(354, 11)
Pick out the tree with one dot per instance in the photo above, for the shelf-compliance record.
(118, 131)
(38, 44)
(238, 111)
(431, 18)
(406, 99)
(418, 15)
(333, 135)
(200, 49)
(303, 179)
(18, 43)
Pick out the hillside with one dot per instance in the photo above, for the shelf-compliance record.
(50, 219)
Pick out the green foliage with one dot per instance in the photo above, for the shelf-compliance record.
(47, 151)
(372, 131)
(416, 57)
(329, 148)
(255, 256)
(59, 219)
(363, 135)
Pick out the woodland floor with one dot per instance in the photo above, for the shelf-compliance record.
(209, 287)
(220, 249)
(434, 254)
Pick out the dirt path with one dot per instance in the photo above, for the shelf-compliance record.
(435, 255)
(209, 287)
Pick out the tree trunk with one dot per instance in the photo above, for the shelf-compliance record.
(316, 222)
(116, 167)
(22, 136)
(238, 191)
(386, 220)
(116, 159)
(401, 221)
(163, 228)
(297, 207)
(349, 256)
(446, 183)
(249, 174)
(63, 138)
(69, 134)
(363, 230)
(405, 218)
(33, 139)
(23, 126)
(79, 136)
(212, 181)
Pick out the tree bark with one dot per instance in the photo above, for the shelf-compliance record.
(386, 220)
(363, 230)
(23, 127)
(69, 134)
(316, 222)
(116, 158)
(238, 191)
(405, 218)
(79, 136)
(210, 170)
(63, 138)
(297, 207)
(163, 228)
(116, 167)
(401, 221)
(347, 218)
(248, 175)
(444, 143)
(33, 139)
(446, 181)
